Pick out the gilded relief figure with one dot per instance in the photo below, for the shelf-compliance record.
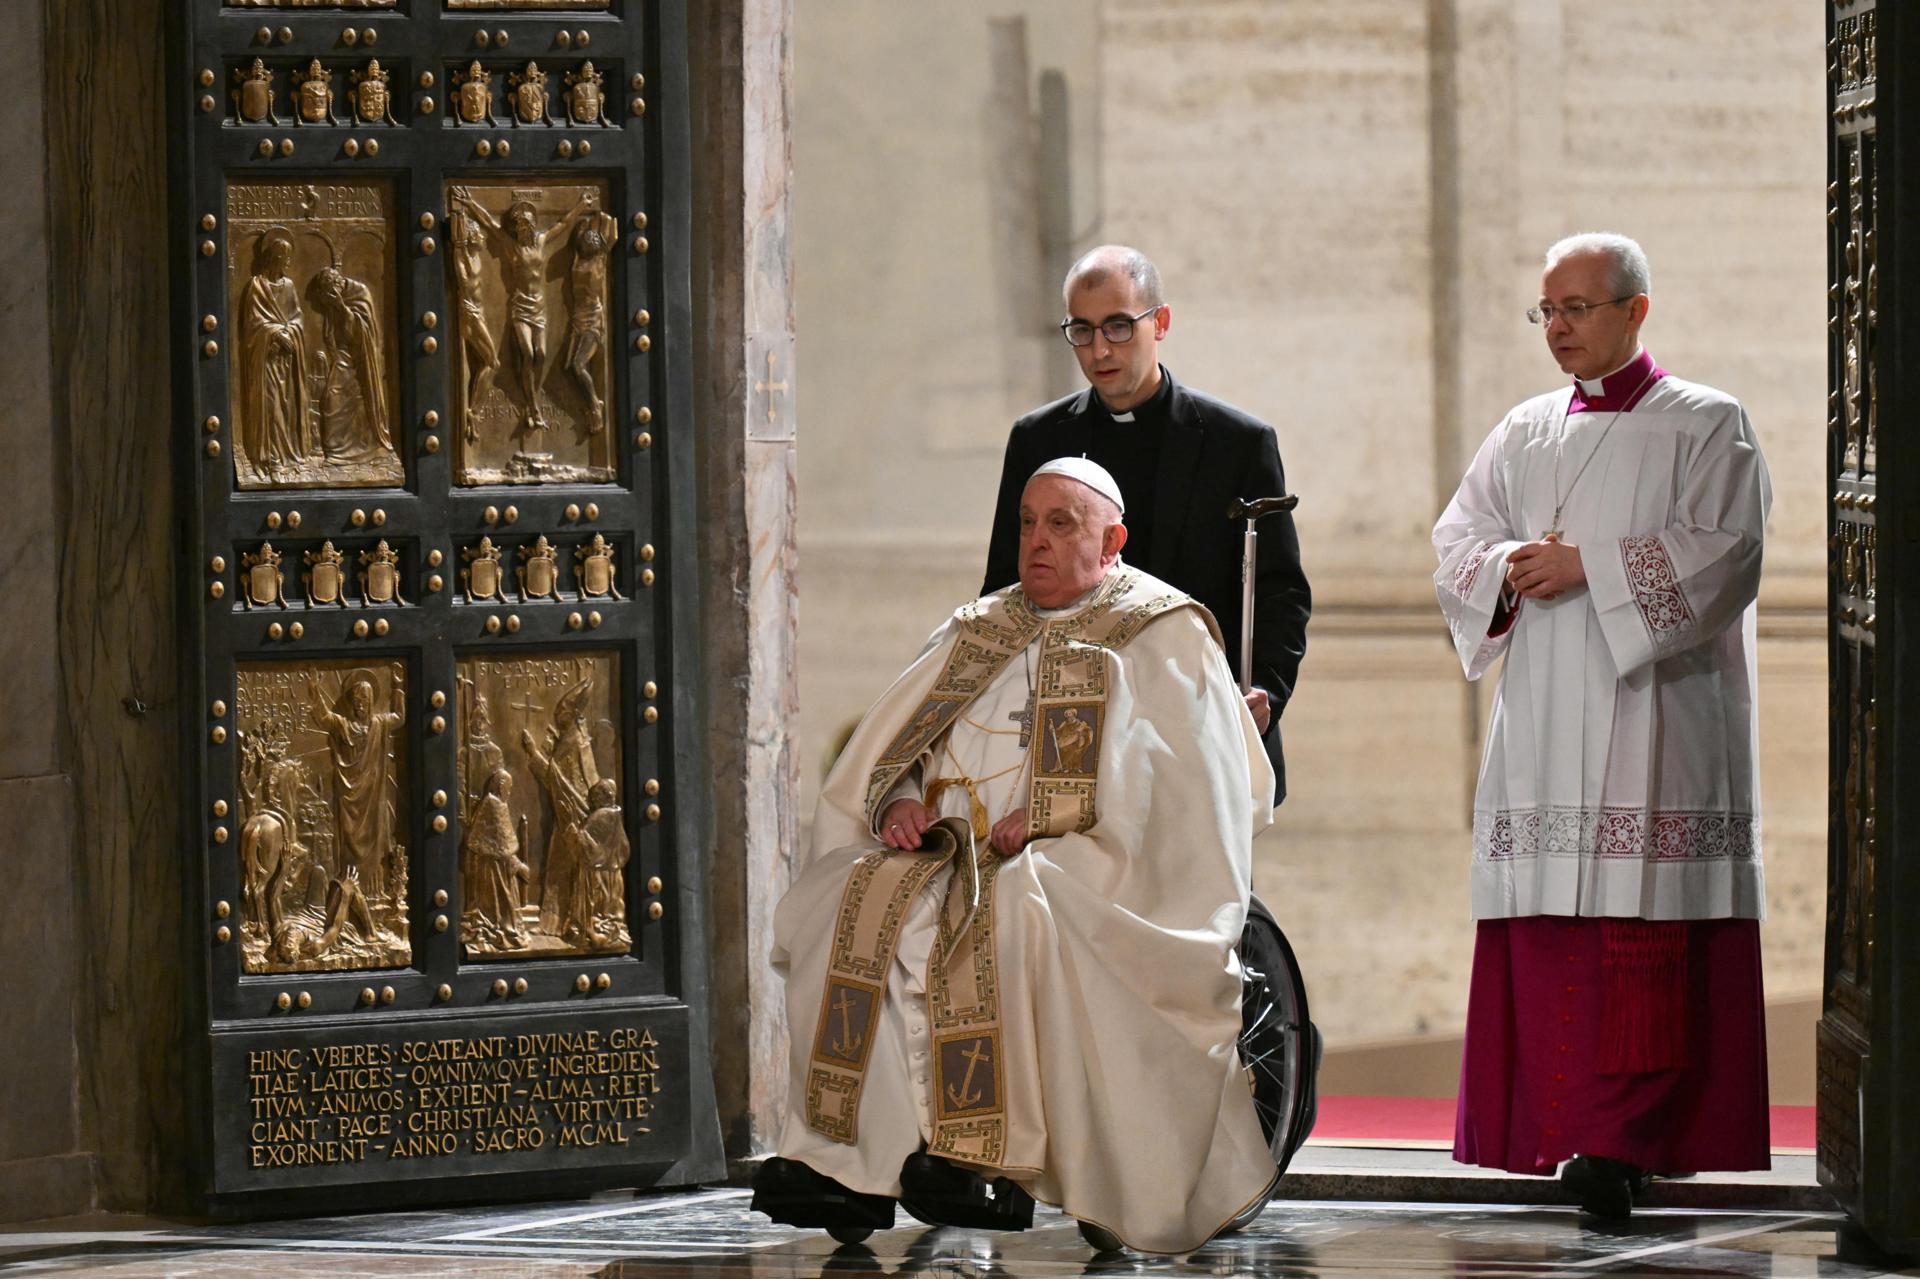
(480, 755)
(603, 840)
(321, 774)
(539, 420)
(587, 311)
(361, 739)
(272, 787)
(275, 432)
(314, 367)
(492, 876)
(353, 399)
(478, 351)
(563, 761)
(544, 860)
(522, 246)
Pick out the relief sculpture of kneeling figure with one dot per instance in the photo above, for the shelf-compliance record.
(1009, 949)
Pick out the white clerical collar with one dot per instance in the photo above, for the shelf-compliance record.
(1597, 386)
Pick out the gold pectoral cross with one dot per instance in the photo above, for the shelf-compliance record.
(849, 1042)
(965, 1097)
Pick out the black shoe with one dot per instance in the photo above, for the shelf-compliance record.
(793, 1194)
(1603, 1187)
(942, 1193)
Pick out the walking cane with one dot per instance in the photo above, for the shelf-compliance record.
(1251, 510)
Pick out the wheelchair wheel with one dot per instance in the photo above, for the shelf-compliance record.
(1279, 1045)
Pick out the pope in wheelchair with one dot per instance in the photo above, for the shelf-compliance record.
(1014, 950)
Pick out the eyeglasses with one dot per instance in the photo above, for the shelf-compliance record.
(1572, 312)
(1117, 330)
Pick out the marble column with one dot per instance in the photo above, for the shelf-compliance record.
(43, 1168)
(744, 400)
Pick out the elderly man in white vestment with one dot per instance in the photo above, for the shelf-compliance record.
(1009, 950)
(1607, 542)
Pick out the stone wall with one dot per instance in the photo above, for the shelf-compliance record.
(1349, 203)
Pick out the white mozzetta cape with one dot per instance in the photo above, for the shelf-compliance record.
(1117, 979)
(1620, 776)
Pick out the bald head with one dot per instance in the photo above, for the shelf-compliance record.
(1109, 262)
(1116, 320)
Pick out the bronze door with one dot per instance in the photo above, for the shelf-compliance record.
(1869, 1118)
(432, 383)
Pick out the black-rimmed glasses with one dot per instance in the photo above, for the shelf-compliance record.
(1116, 330)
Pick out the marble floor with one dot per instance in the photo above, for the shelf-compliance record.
(711, 1234)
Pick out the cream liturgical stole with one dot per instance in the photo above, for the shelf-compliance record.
(1070, 694)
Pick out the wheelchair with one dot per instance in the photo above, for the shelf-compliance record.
(1280, 1049)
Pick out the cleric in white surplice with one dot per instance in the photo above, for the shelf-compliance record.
(1607, 540)
(1066, 1017)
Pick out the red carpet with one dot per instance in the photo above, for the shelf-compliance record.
(1430, 1119)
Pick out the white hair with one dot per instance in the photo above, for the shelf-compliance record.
(1627, 269)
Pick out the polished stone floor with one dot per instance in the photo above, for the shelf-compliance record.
(711, 1234)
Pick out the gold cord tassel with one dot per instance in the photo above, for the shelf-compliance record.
(938, 787)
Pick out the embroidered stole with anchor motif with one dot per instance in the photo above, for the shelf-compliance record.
(969, 1107)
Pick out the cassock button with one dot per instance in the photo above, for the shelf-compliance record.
(1563, 1048)
(1570, 990)
(1551, 1132)
(1553, 1105)
(1565, 1020)
(1559, 1077)
(1573, 959)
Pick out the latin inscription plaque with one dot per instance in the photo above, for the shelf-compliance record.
(462, 1097)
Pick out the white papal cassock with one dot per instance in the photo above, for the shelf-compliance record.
(1112, 967)
(1620, 776)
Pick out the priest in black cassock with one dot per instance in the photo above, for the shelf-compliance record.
(1180, 457)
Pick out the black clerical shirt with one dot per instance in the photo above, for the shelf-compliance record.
(1128, 445)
